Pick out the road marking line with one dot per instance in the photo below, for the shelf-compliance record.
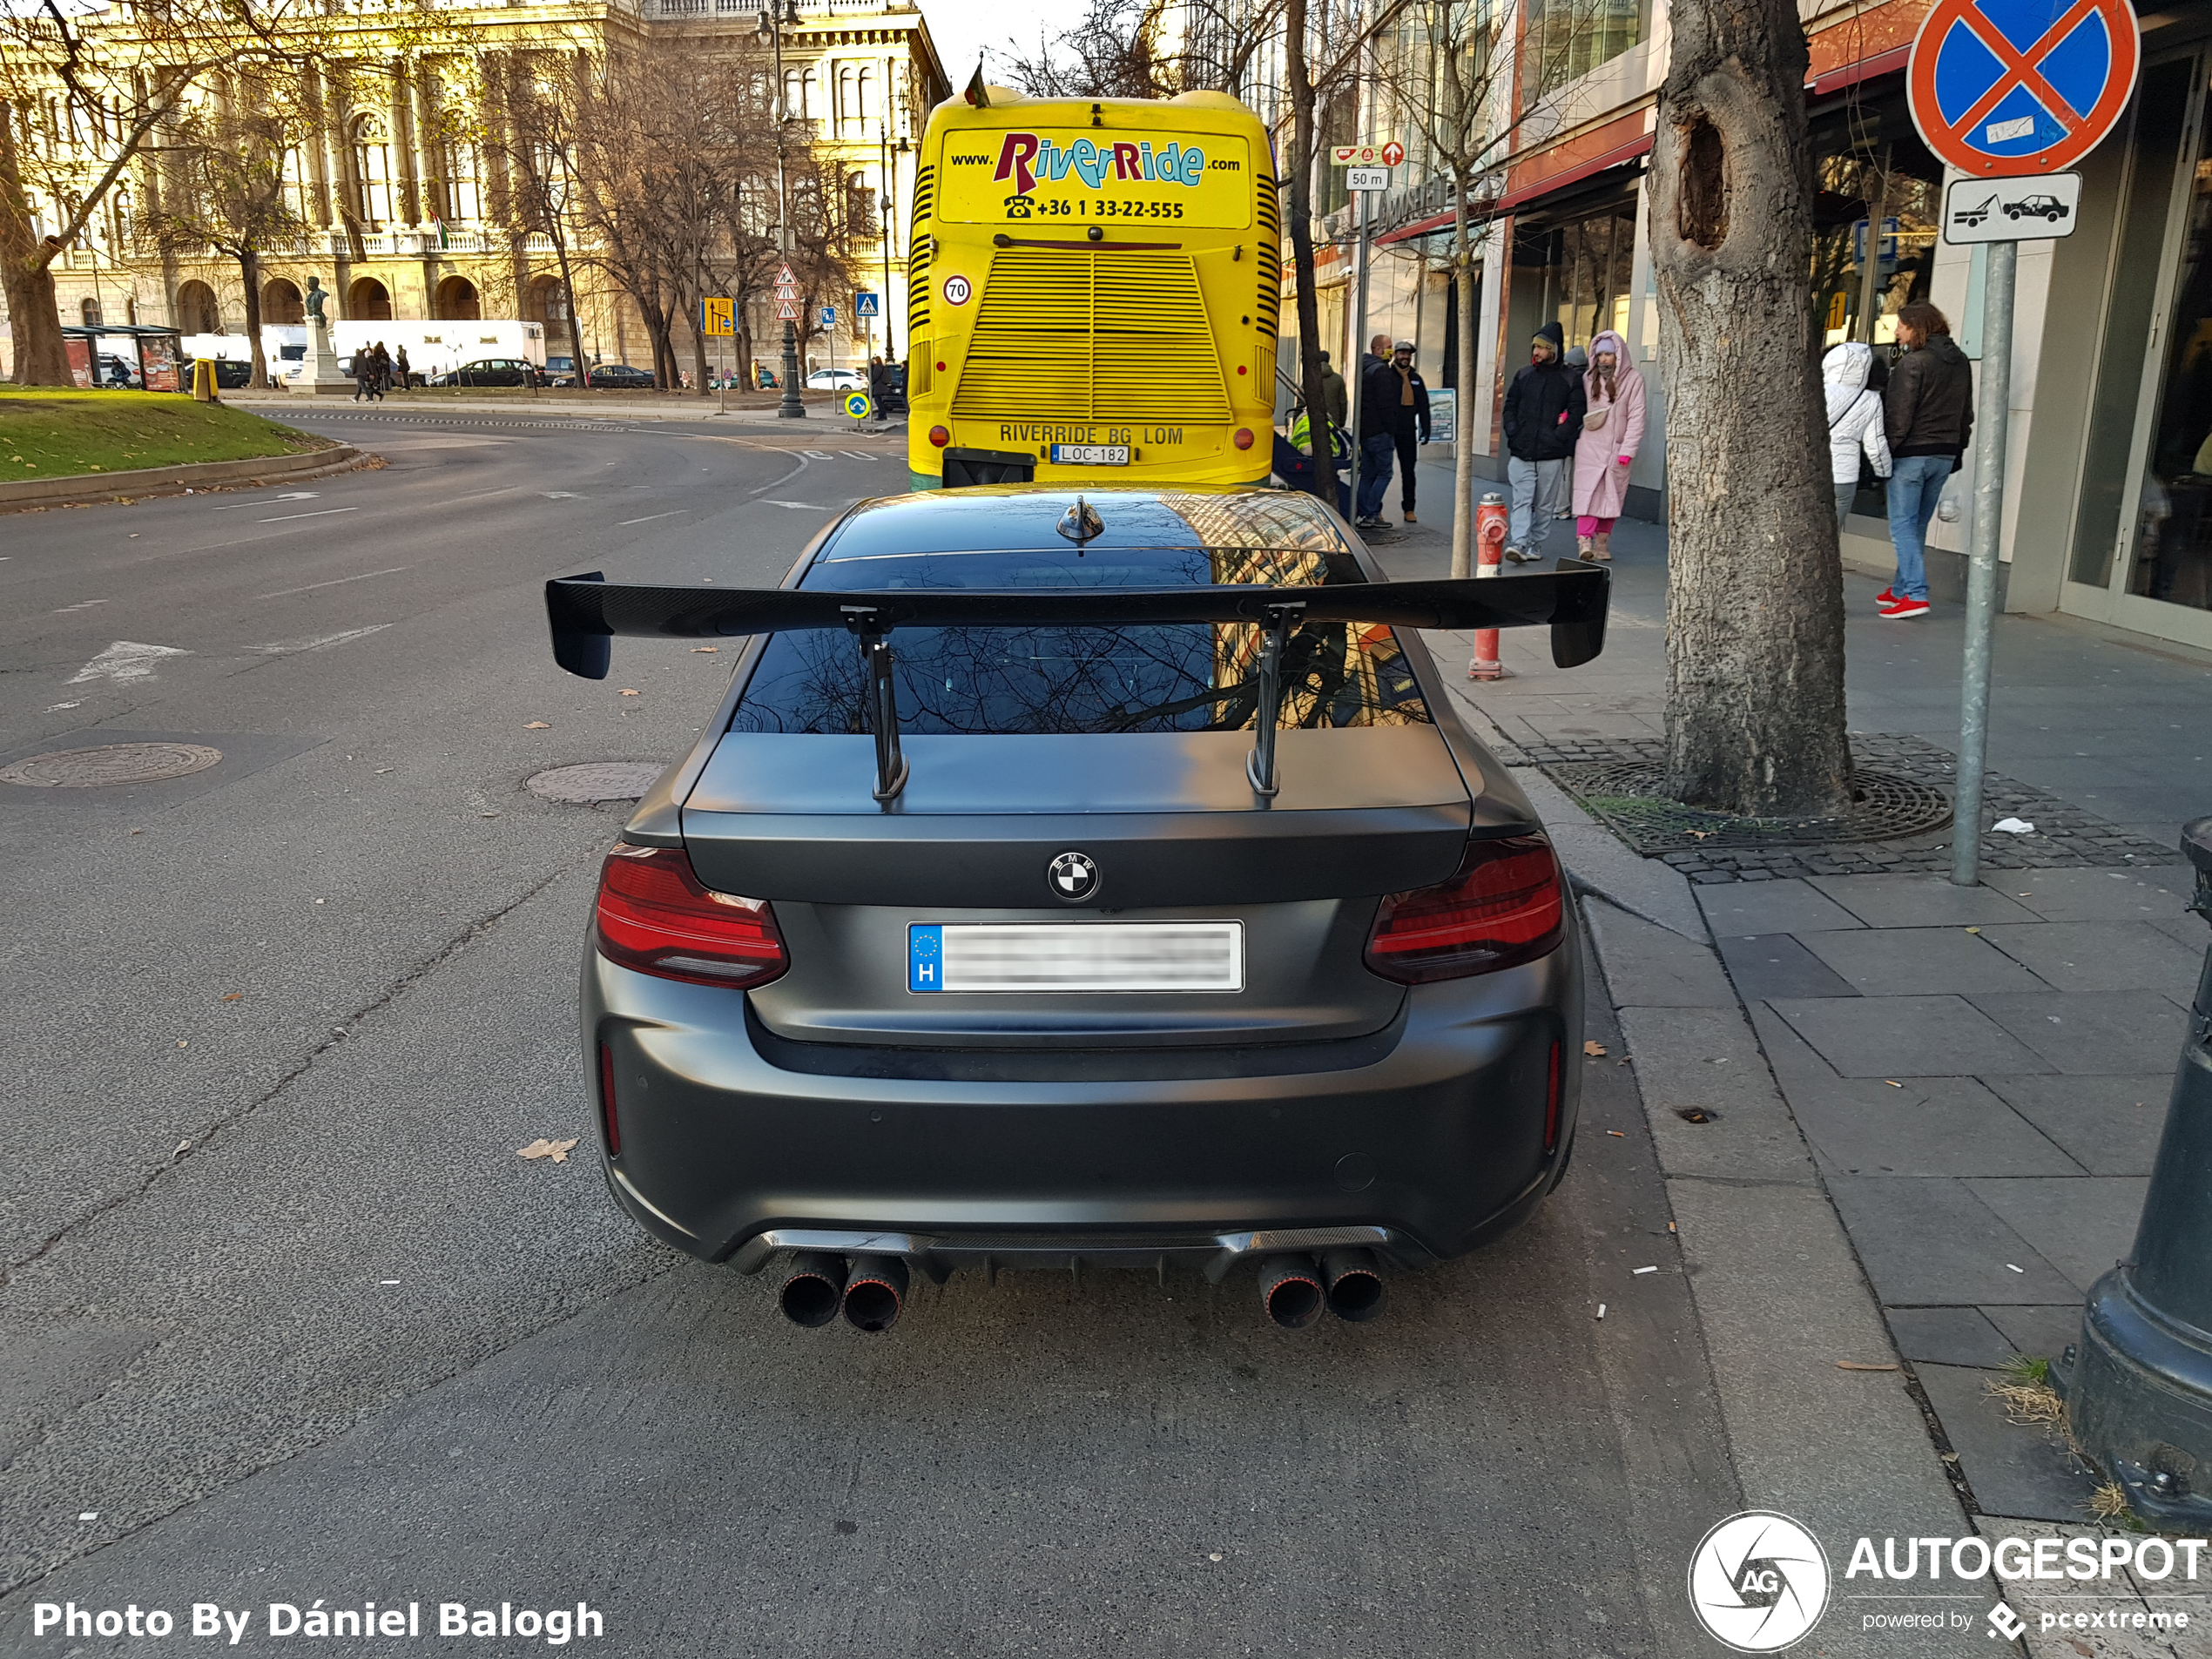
(339, 582)
(286, 518)
(649, 517)
(291, 646)
(800, 505)
(124, 661)
(856, 454)
(296, 495)
(82, 604)
(775, 483)
(817, 454)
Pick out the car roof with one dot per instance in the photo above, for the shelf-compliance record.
(994, 517)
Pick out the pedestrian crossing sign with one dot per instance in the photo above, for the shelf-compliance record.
(867, 305)
(718, 317)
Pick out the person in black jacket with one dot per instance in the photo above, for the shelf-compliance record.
(1543, 417)
(1928, 408)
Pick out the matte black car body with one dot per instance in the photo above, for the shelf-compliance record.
(1321, 1106)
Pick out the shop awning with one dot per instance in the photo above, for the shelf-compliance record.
(1620, 156)
(1866, 68)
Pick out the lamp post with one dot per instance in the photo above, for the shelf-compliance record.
(889, 207)
(771, 33)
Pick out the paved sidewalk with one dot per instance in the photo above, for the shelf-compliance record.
(1976, 1077)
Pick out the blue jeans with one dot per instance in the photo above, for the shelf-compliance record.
(1916, 485)
(1375, 455)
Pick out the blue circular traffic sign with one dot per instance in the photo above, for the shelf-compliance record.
(2000, 88)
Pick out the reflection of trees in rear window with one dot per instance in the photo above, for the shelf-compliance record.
(1184, 676)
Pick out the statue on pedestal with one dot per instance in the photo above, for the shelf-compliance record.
(316, 295)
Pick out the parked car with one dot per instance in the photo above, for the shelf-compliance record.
(489, 371)
(619, 377)
(837, 380)
(560, 370)
(892, 400)
(231, 375)
(116, 371)
(1203, 930)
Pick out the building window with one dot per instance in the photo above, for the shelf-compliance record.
(90, 310)
(1571, 38)
(463, 191)
(800, 91)
(372, 169)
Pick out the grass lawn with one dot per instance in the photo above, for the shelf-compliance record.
(56, 432)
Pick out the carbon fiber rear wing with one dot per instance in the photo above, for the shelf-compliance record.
(587, 612)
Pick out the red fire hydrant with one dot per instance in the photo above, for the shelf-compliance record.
(1490, 523)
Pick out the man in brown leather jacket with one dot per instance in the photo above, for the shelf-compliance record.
(1928, 409)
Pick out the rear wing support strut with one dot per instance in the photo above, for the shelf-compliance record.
(1274, 639)
(877, 662)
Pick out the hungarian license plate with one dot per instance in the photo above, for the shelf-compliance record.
(1090, 454)
(1076, 956)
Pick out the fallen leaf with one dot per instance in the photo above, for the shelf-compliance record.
(2083, 1649)
(542, 1147)
(1594, 1047)
(1860, 1365)
(540, 725)
(1698, 835)
(707, 651)
(232, 996)
(630, 693)
(183, 1042)
(1974, 930)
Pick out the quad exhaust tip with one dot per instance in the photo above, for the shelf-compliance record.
(874, 1293)
(814, 1289)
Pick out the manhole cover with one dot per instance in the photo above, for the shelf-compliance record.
(1626, 796)
(111, 763)
(597, 780)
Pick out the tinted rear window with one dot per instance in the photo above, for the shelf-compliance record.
(1193, 676)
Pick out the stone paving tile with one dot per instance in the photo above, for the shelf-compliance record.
(2080, 1226)
(1646, 966)
(2101, 956)
(2110, 1125)
(1765, 966)
(1920, 961)
(2040, 1333)
(1948, 1336)
(1919, 901)
(1906, 1036)
(1931, 1126)
(1930, 1242)
(1784, 907)
(1788, 1055)
(2014, 1468)
(2097, 896)
(2190, 930)
(2088, 1035)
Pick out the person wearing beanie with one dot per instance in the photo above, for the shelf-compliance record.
(1542, 420)
(1612, 433)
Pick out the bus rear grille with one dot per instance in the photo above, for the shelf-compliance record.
(1092, 336)
(918, 254)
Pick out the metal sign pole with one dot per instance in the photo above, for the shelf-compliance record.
(1981, 561)
(1359, 354)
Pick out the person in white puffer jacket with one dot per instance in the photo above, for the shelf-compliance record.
(1854, 421)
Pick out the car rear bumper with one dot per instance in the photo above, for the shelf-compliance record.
(1421, 1143)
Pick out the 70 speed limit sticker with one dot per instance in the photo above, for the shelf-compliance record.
(956, 291)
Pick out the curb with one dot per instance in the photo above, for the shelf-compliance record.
(86, 489)
(818, 416)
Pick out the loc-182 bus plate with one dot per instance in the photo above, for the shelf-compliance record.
(1090, 454)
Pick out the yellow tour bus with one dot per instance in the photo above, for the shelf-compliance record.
(1092, 294)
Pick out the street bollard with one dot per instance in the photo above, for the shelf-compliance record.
(1489, 558)
(2139, 1383)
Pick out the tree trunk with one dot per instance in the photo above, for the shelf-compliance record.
(25, 269)
(1755, 620)
(1297, 213)
(249, 271)
(1463, 413)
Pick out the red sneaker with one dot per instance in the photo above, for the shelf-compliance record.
(1883, 598)
(1899, 609)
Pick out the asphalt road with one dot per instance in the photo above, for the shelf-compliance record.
(284, 1316)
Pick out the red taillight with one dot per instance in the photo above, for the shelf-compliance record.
(938, 436)
(654, 916)
(1502, 908)
(607, 1101)
(1244, 438)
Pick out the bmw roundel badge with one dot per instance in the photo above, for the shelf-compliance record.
(1072, 877)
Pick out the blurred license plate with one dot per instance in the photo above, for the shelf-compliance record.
(1077, 956)
(1090, 454)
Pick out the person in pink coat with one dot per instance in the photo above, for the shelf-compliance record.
(1612, 429)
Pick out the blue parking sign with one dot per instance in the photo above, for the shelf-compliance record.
(829, 316)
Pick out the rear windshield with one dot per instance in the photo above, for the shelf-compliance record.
(1179, 676)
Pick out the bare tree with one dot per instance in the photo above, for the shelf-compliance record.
(1754, 624)
(225, 186)
(1114, 51)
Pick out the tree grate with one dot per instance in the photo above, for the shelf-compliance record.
(1627, 796)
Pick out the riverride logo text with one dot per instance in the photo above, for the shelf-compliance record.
(1025, 159)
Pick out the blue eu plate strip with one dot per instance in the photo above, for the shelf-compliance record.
(925, 958)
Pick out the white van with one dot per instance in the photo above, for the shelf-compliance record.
(284, 345)
(434, 346)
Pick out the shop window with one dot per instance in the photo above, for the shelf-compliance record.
(2172, 556)
(1589, 264)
